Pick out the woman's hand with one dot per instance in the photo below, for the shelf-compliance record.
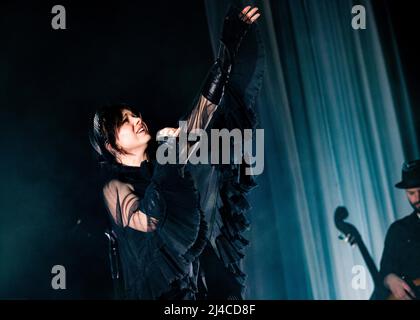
(168, 132)
(249, 14)
(236, 25)
(399, 288)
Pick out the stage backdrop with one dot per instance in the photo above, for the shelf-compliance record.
(337, 129)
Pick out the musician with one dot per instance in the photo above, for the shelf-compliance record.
(400, 262)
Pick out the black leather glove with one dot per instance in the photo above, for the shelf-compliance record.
(234, 30)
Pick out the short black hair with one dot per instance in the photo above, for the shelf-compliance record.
(107, 120)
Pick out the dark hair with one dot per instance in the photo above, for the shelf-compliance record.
(106, 121)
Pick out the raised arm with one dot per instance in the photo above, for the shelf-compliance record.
(235, 27)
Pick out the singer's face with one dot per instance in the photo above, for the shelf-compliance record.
(133, 133)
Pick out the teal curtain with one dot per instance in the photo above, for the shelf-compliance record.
(332, 114)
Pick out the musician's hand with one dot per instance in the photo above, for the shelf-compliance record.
(399, 288)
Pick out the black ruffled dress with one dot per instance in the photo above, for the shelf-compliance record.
(199, 244)
(160, 264)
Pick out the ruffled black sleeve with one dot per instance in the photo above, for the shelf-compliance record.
(160, 231)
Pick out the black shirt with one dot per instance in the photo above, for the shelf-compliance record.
(402, 248)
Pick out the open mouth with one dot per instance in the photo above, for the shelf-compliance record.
(141, 130)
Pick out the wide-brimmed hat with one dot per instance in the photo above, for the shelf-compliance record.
(410, 175)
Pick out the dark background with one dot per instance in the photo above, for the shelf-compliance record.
(151, 55)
